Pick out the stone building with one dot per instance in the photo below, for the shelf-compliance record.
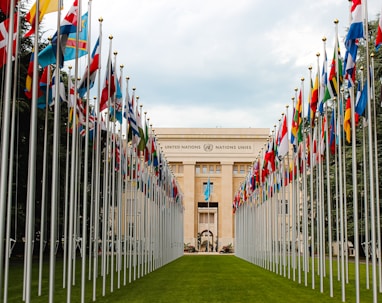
(221, 155)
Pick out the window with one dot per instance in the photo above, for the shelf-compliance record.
(204, 169)
(205, 218)
(218, 169)
(242, 169)
(212, 169)
(197, 169)
(235, 169)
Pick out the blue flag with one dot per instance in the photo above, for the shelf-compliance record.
(48, 54)
(207, 191)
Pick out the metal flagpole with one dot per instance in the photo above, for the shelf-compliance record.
(8, 244)
(355, 195)
(6, 127)
(371, 170)
(44, 180)
(378, 246)
(97, 171)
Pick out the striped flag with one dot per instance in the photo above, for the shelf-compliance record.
(283, 146)
(378, 38)
(94, 66)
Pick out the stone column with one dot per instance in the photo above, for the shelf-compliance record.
(226, 224)
(190, 209)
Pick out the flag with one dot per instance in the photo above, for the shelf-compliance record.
(68, 26)
(109, 86)
(323, 83)
(118, 103)
(142, 144)
(314, 99)
(332, 139)
(133, 133)
(350, 61)
(90, 72)
(351, 42)
(378, 38)
(5, 6)
(335, 75)
(70, 50)
(45, 7)
(362, 101)
(45, 89)
(347, 121)
(297, 119)
(356, 26)
(61, 90)
(207, 191)
(283, 145)
(4, 32)
(323, 136)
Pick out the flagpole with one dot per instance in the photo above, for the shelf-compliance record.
(43, 190)
(8, 244)
(97, 187)
(378, 251)
(371, 170)
(293, 206)
(30, 205)
(355, 196)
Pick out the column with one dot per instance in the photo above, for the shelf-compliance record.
(226, 228)
(190, 221)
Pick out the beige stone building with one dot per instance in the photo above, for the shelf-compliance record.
(222, 155)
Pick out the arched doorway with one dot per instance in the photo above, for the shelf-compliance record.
(206, 241)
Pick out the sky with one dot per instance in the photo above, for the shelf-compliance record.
(217, 63)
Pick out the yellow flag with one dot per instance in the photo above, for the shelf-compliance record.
(45, 7)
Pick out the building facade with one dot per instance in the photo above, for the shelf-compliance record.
(220, 156)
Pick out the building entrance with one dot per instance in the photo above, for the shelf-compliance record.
(208, 226)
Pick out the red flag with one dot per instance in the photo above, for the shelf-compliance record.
(378, 38)
(4, 32)
(5, 6)
(109, 86)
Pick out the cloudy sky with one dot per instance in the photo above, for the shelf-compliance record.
(218, 63)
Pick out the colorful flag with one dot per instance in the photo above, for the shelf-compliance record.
(314, 99)
(350, 61)
(109, 86)
(356, 26)
(91, 72)
(297, 119)
(283, 145)
(323, 83)
(133, 133)
(118, 103)
(378, 38)
(4, 32)
(45, 7)
(70, 50)
(68, 26)
(335, 75)
(347, 121)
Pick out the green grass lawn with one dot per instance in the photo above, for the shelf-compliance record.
(202, 278)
